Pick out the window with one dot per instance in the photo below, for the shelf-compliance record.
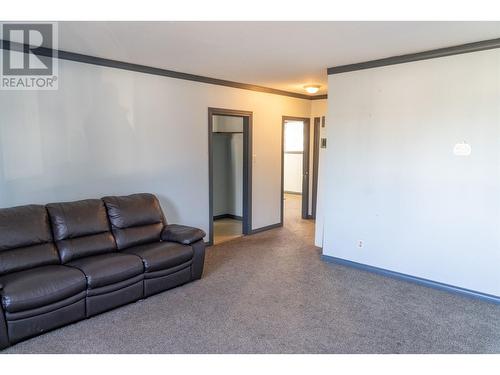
(294, 136)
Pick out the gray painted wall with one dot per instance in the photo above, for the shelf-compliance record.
(390, 178)
(236, 175)
(221, 153)
(110, 131)
(228, 165)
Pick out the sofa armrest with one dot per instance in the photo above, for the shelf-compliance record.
(4, 338)
(182, 234)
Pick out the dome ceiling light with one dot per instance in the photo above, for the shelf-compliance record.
(312, 89)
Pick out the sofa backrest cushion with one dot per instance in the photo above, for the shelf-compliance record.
(135, 219)
(25, 239)
(81, 229)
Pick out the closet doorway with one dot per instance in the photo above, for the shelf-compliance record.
(230, 155)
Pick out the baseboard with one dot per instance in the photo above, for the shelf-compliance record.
(414, 279)
(263, 229)
(228, 216)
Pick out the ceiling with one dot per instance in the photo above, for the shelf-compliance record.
(280, 55)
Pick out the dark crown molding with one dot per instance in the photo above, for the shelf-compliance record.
(87, 59)
(318, 97)
(432, 54)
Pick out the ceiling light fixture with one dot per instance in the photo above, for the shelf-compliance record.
(312, 89)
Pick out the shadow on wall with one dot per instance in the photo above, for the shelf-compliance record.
(79, 144)
(84, 142)
(110, 135)
(170, 210)
(104, 132)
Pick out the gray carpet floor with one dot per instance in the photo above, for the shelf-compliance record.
(271, 293)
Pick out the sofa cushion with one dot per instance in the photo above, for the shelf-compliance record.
(135, 219)
(106, 269)
(25, 239)
(39, 286)
(161, 255)
(81, 229)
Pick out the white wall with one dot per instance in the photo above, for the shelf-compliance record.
(392, 180)
(111, 131)
(292, 167)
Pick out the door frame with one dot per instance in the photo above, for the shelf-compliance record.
(247, 167)
(317, 125)
(305, 164)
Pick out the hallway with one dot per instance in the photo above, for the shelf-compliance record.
(293, 219)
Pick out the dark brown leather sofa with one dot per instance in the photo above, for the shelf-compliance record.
(64, 262)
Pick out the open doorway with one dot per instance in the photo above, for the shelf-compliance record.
(295, 167)
(229, 174)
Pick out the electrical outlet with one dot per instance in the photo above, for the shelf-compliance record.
(360, 244)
